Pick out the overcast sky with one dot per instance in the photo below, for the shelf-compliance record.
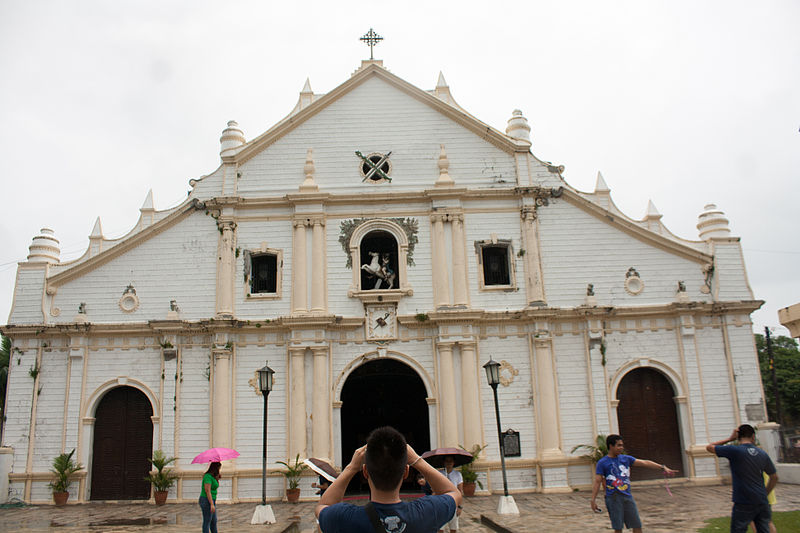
(681, 102)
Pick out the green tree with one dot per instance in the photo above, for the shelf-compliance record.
(786, 355)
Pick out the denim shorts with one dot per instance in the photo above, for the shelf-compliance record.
(742, 514)
(622, 509)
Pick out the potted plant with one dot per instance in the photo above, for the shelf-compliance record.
(292, 475)
(468, 472)
(594, 452)
(63, 468)
(163, 478)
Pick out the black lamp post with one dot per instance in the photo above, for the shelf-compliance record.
(265, 385)
(493, 376)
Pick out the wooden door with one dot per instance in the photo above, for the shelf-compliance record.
(648, 421)
(123, 442)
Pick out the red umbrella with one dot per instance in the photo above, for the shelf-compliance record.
(436, 457)
(215, 455)
(322, 468)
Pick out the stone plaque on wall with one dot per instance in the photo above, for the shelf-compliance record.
(511, 447)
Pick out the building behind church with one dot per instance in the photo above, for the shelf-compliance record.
(376, 248)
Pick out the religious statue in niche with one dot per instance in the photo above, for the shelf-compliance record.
(380, 270)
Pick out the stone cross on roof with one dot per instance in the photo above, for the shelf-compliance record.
(371, 38)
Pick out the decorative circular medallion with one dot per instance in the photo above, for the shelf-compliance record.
(129, 302)
(633, 283)
(375, 167)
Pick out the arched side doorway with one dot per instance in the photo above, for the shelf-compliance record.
(383, 392)
(648, 420)
(123, 442)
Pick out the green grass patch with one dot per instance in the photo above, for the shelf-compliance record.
(785, 522)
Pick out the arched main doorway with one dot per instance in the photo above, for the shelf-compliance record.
(123, 442)
(383, 392)
(648, 420)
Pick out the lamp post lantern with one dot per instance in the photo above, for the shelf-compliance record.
(265, 385)
(507, 504)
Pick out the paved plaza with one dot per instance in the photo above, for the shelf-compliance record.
(684, 511)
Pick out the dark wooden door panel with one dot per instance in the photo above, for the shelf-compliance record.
(123, 436)
(648, 421)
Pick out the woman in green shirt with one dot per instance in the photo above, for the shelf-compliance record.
(208, 498)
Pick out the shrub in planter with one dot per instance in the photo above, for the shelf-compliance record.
(292, 475)
(64, 466)
(468, 472)
(162, 478)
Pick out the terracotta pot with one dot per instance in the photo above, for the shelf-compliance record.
(160, 496)
(60, 498)
(469, 489)
(292, 495)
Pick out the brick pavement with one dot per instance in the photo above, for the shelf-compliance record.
(685, 511)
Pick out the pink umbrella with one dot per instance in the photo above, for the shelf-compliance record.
(215, 455)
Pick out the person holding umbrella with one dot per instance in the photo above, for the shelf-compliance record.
(455, 477)
(445, 459)
(208, 497)
(208, 494)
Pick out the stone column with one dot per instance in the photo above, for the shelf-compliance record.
(225, 268)
(299, 281)
(318, 273)
(321, 432)
(441, 280)
(533, 264)
(549, 429)
(221, 400)
(470, 396)
(460, 291)
(448, 410)
(297, 403)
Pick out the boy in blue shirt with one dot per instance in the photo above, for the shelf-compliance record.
(614, 470)
(748, 466)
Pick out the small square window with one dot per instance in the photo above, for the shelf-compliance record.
(264, 274)
(495, 264)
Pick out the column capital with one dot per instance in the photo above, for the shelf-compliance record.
(445, 345)
(438, 217)
(529, 213)
(320, 350)
(226, 224)
(297, 350)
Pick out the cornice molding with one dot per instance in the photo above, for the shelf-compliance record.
(434, 319)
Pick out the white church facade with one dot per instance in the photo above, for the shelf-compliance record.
(376, 264)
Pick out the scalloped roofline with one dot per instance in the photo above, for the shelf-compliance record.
(82, 266)
(620, 220)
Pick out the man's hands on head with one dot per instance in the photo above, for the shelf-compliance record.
(335, 493)
(357, 460)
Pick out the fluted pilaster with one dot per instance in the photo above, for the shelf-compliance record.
(534, 286)
(297, 403)
(321, 432)
(448, 411)
(225, 268)
(318, 265)
(441, 279)
(470, 397)
(299, 277)
(460, 291)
